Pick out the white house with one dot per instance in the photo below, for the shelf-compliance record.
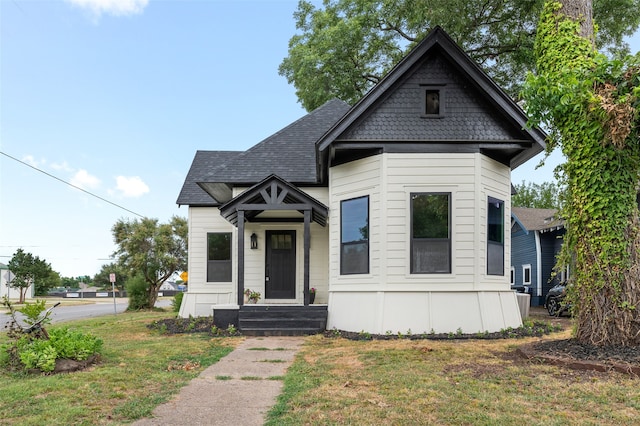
(393, 210)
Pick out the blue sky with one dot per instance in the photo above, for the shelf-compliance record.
(115, 96)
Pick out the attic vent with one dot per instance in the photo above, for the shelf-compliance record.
(432, 100)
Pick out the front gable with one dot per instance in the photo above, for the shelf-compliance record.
(474, 114)
(466, 114)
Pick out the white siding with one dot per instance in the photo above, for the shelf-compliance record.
(202, 295)
(390, 297)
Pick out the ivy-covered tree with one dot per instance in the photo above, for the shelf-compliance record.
(546, 195)
(28, 270)
(152, 250)
(345, 47)
(591, 104)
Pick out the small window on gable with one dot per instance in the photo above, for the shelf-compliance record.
(432, 101)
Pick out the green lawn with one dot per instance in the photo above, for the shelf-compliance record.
(139, 369)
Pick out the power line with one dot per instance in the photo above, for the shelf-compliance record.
(70, 184)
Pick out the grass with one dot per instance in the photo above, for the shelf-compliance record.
(479, 382)
(139, 370)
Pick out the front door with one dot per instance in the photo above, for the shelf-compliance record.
(280, 274)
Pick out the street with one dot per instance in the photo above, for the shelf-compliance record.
(68, 313)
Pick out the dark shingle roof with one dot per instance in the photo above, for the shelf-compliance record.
(289, 153)
(203, 163)
(537, 219)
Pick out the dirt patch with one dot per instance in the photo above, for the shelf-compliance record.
(572, 354)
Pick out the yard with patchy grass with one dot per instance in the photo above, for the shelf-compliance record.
(479, 382)
(138, 370)
(332, 381)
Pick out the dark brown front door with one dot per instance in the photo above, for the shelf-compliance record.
(280, 274)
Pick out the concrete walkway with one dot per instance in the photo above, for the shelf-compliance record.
(237, 390)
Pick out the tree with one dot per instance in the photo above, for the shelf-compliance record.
(27, 270)
(152, 250)
(101, 279)
(52, 280)
(546, 195)
(591, 104)
(346, 47)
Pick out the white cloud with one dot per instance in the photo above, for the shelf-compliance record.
(111, 7)
(131, 187)
(30, 160)
(84, 180)
(64, 166)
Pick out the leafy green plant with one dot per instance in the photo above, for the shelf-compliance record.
(591, 105)
(42, 354)
(137, 291)
(33, 310)
(177, 301)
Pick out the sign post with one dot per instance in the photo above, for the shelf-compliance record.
(112, 279)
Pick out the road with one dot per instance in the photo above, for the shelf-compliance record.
(69, 313)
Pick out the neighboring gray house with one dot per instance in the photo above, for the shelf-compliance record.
(536, 239)
(394, 210)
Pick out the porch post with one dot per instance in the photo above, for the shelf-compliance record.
(307, 245)
(240, 257)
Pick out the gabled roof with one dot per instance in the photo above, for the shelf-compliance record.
(203, 162)
(289, 153)
(273, 193)
(537, 219)
(437, 42)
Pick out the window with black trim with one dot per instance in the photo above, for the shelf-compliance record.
(432, 101)
(354, 236)
(431, 233)
(495, 237)
(219, 257)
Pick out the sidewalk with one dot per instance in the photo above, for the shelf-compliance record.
(236, 390)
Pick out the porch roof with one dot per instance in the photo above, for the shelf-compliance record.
(273, 193)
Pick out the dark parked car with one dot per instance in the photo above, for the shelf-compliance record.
(554, 301)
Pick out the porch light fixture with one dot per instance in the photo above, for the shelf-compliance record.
(254, 241)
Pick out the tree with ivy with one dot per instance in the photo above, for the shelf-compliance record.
(344, 47)
(591, 105)
(151, 250)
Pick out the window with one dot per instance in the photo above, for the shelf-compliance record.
(526, 274)
(432, 101)
(354, 236)
(431, 233)
(219, 257)
(495, 237)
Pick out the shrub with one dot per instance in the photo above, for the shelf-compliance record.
(177, 301)
(42, 354)
(137, 291)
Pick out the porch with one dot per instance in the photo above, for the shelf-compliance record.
(272, 320)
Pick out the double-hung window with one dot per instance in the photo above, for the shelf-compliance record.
(495, 237)
(219, 257)
(354, 236)
(431, 233)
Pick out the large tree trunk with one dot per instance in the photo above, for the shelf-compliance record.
(606, 294)
(580, 11)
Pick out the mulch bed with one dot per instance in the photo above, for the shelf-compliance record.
(564, 352)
